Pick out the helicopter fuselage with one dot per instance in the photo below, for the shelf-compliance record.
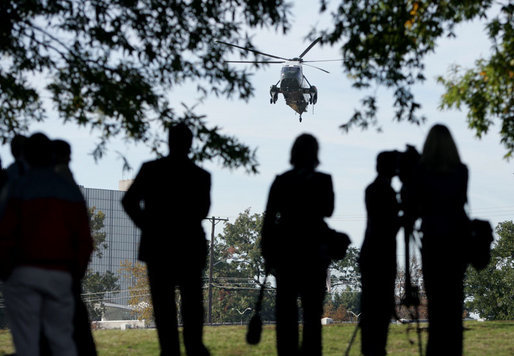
(297, 92)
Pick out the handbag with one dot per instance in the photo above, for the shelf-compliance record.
(253, 334)
(336, 242)
(480, 239)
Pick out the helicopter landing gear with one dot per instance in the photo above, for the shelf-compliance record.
(274, 94)
(313, 92)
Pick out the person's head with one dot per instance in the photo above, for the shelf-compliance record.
(386, 163)
(440, 151)
(180, 139)
(304, 153)
(62, 151)
(38, 151)
(17, 146)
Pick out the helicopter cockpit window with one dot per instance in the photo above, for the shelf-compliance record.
(291, 72)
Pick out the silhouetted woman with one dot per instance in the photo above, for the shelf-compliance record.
(438, 196)
(292, 246)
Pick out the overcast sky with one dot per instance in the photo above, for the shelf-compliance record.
(350, 158)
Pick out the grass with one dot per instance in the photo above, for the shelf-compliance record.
(480, 338)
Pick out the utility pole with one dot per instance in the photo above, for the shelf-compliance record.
(213, 221)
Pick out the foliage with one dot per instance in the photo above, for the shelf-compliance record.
(346, 271)
(416, 275)
(110, 65)
(385, 42)
(343, 302)
(96, 224)
(489, 292)
(239, 245)
(140, 298)
(95, 286)
(342, 305)
(488, 89)
(239, 270)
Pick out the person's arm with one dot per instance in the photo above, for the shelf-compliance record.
(328, 207)
(84, 240)
(133, 199)
(269, 225)
(205, 197)
(464, 189)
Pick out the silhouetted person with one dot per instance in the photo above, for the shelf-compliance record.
(19, 166)
(82, 335)
(62, 159)
(293, 243)
(45, 243)
(168, 200)
(438, 196)
(377, 260)
(15, 169)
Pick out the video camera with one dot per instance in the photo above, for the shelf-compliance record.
(406, 162)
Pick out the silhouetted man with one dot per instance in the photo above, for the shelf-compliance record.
(168, 201)
(377, 259)
(294, 247)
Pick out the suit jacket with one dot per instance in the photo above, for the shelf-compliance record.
(168, 200)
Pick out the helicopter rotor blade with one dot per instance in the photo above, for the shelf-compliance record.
(321, 69)
(309, 48)
(324, 60)
(252, 50)
(259, 62)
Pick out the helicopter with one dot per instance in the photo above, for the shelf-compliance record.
(293, 85)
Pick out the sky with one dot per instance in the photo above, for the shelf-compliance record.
(349, 158)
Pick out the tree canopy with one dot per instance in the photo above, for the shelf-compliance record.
(111, 65)
(385, 42)
(489, 291)
(96, 285)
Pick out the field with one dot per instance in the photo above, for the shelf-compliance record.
(481, 338)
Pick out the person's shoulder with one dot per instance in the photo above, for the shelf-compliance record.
(322, 178)
(155, 166)
(201, 170)
(155, 163)
(284, 176)
(323, 175)
(374, 187)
